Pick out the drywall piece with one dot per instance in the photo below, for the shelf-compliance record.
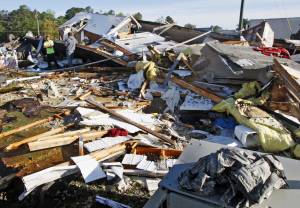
(248, 137)
(48, 175)
(148, 140)
(116, 167)
(89, 168)
(105, 143)
(172, 97)
(152, 185)
(146, 165)
(195, 102)
(103, 120)
(228, 141)
(133, 159)
(91, 113)
(171, 162)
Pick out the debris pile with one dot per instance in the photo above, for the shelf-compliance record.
(240, 178)
(123, 110)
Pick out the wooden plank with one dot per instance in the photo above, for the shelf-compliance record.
(127, 120)
(158, 151)
(51, 174)
(16, 145)
(66, 134)
(45, 144)
(104, 54)
(290, 83)
(28, 126)
(200, 91)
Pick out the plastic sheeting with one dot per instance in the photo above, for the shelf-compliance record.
(135, 81)
(273, 137)
(238, 178)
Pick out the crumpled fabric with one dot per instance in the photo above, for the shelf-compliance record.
(149, 67)
(237, 177)
(115, 132)
(273, 136)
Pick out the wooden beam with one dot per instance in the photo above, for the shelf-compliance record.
(127, 120)
(28, 126)
(66, 134)
(200, 91)
(290, 83)
(157, 151)
(16, 145)
(61, 141)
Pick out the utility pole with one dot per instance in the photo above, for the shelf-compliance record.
(38, 23)
(241, 15)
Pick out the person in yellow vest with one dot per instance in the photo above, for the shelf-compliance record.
(49, 46)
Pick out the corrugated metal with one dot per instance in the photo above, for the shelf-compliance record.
(280, 26)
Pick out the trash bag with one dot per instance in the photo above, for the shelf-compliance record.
(273, 136)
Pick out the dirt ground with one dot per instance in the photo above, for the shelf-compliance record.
(72, 192)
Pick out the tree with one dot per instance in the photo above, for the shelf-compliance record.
(120, 14)
(49, 27)
(110, 12)
(169, 20)
(73, 11)
(89, 9)
(138, 16)
(189, 25)
(60, 20)
(245, 24)
(21, 21)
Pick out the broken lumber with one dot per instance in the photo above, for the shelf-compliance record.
(34, 180)
(290, 83)
(165, 153)
(200, 91)
(127, 120)
(66, 134)
(61, 141)
(22, 128)
(16, 145)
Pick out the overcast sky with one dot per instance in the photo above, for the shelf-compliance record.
(202, 13)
